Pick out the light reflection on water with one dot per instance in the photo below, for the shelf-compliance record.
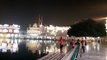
(47, 46)
(8, 45)
(38, 48)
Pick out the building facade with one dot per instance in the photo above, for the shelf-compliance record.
(9, 31)
(38, 30)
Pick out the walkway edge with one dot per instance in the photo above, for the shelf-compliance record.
(44, 56)
(69, 54)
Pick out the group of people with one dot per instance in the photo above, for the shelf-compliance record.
(82, 43)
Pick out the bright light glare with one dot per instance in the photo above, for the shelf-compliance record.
(15, 25)
(0, 30)
(4, 50)
(15, 45)
(1, 25)
(5, 30)
(4, 45)
(16, 31)
(6, 25)
(10, 30)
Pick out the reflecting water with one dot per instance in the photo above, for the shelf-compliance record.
(28, 49)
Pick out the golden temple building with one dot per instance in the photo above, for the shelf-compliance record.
(39, 30)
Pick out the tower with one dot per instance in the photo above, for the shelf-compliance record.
(40, 20)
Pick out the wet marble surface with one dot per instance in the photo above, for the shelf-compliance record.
(94, 51)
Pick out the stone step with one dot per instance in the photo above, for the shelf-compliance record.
(53, 56)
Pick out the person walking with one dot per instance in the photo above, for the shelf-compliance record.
(83, 46)
(72, 43)
(78, 42)
(61, 43)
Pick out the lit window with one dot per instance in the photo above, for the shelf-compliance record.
(15, 25)
(0, 26)
(0, 30)
(6, 25)
(16, 31)
(5, 30)
(10, 30)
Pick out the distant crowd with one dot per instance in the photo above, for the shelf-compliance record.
(81, 43)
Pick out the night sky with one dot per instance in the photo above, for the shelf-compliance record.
(55, 12)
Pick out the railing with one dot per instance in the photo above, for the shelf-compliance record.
(72, 54)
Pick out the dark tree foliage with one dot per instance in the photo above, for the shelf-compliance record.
(87, 27)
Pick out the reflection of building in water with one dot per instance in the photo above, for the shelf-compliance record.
(42, 46)
(8, 45)
(33, 45)
(9, 31)
(46, 31)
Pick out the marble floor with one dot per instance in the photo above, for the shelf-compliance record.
(94, 51)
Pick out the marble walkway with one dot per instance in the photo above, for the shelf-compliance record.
(94, 51)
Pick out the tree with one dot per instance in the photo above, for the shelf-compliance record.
(87, 27)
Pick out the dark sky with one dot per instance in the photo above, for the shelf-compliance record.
(56, 12)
